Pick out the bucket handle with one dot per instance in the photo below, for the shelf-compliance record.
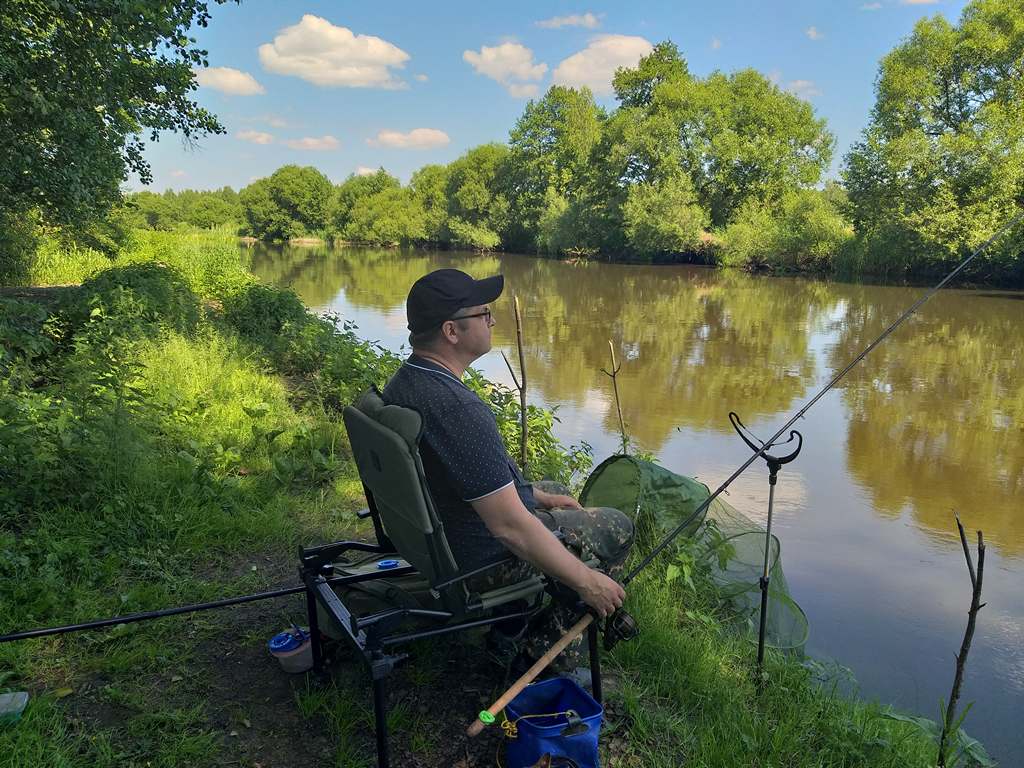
(575, 725)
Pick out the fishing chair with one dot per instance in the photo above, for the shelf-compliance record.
(410, 542)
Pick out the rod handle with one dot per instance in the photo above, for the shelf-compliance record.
(538, 666)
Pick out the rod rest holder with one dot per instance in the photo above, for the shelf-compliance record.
(318, 559)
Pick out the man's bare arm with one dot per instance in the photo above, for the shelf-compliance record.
(514, 526)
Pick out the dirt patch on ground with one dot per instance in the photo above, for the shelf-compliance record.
(221, 682)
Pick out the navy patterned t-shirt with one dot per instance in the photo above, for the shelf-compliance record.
(463, 455)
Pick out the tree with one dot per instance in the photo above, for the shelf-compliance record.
(635, 87)
(940, 167)
(81, 85)
(478, 209)
(743, 138)
(390, 217)
(353, 189)
(291, 202)
(663, 218)
(550, 147)
(428, 185)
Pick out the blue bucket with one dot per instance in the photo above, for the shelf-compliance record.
(555, 717)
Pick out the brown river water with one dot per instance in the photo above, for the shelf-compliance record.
(931, 422)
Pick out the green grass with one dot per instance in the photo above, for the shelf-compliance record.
(150, 449)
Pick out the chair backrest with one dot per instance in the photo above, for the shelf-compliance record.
(385, 443)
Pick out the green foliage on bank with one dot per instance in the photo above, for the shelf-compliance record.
(161, 420)
(940, 167)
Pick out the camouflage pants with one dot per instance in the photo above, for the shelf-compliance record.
(600, 534)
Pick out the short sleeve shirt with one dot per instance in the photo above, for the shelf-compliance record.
(463, 455)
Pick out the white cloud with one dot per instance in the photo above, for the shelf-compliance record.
(523, 90)
(418, 138)
(715, 43)
(228, 80)
(814, 34)
(274, 121)
(178, 174)
(588, 20)
(256, 137)
(871, 6)
(511, 64)
(805, 89)
(422, 78)
(363, 170)
(310, 142)
(323, 54)
(595, 65)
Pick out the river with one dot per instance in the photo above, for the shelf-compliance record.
(931, 422)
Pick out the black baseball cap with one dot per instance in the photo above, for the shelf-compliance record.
(438, 295)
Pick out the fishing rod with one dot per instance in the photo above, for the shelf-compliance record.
(193, 608)
(620, 626)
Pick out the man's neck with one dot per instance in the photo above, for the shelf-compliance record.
(456, 367)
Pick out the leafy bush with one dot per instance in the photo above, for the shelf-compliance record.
(663, 218)
(391, 217)
(261, 312)
(140, 299)
(18, 244)
(547, 459)
(805, 232)
(23, 332)
(477, 237)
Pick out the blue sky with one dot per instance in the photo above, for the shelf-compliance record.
(347, 87)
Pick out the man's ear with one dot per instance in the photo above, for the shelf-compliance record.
(447, 327)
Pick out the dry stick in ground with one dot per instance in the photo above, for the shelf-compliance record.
(520, 386)
(615, 389)
(965, 646)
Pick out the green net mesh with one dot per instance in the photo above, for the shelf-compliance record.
(729, 543)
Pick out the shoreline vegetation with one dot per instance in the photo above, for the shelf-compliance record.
(171, 431)
(726, 170)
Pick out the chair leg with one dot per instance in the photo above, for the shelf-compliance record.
(595, 662)
(314, 634)
(381, 720)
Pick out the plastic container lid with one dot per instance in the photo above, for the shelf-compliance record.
(386, 564)
(284, 641)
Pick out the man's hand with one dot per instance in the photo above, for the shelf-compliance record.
(602, 593)
(552, 500)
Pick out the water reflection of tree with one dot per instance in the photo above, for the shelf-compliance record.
(937, 410)
(377, 278)
(694, 343)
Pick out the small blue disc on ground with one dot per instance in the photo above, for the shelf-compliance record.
(386, 564)
(283, 641)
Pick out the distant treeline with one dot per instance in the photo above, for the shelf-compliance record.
(726, 169)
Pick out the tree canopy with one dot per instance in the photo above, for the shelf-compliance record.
(940, 167)
(82, 87)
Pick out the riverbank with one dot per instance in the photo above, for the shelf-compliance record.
(171, 433)
(769, 258)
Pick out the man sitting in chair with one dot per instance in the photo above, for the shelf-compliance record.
(487, 507)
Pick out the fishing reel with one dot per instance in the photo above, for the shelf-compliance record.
(619, 626)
